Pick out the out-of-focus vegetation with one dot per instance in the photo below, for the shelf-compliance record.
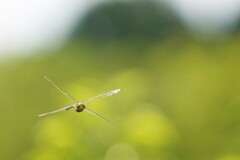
(121, 20)
(179, 101)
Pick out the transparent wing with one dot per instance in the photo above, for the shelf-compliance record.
(61, 90)
(99, 116)
(59, 110)
(102, 95)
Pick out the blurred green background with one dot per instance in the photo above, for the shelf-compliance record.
(179, 99)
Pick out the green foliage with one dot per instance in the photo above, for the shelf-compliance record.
(134, 19)
(179, 101)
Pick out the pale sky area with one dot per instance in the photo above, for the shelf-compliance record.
(29, 25)
(214, 14)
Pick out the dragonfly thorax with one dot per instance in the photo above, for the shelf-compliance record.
(80, 107)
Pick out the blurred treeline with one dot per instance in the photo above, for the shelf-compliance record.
(126, 20)
(179, 100)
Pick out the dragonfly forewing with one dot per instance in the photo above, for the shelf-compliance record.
(101, 96)
(59, 110)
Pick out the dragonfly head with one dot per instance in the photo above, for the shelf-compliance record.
(80, 107)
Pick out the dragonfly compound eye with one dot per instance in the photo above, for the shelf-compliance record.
(80, 108)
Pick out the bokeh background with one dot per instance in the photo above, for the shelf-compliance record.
(177, 63)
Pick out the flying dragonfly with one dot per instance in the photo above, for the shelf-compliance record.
(80, 106)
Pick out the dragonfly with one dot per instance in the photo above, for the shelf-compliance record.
(80, 106)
